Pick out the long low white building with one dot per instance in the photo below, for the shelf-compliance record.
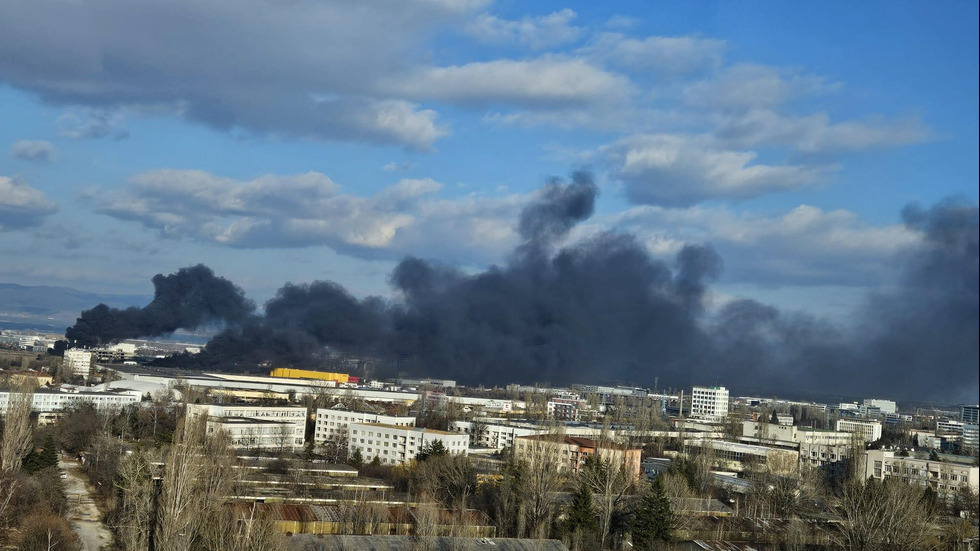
(945, 477)
(738, 455)
(255, 427)
(394, 445)
(494, 435)
(826, 449)
(54, 400)
(489, 404)
(281, 385)
(331, 423)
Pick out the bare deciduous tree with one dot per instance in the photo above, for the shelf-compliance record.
(611, 485)
(542, 479)
(179, 505)
(887, 515)
(17, 438)
(134, 524)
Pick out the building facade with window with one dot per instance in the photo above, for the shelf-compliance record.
(331, 424)
(570, 452)
(255, 427)
(709, 402)
(945, 477)
(870, 431)
(397, 445)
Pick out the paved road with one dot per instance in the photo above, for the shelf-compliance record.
(85, 518)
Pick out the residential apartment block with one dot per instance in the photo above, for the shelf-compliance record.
(78, 361)
(397, 445)
(564, 409)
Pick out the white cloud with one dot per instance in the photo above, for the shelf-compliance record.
(817, 133)
(276, 211)
(394, 166)
(90, 124)
(680, 170)
(22, 206)
(36, 151)
(672, 55)
(539, 32)
(546, 82)
(804, 246)
(747, 86)
(258, 65)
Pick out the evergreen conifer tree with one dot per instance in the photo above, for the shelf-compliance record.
(654, 520)
(49, 457)
(581, 514)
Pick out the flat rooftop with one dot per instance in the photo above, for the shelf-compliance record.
(408, 429)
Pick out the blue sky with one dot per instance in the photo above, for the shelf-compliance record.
(293, 142)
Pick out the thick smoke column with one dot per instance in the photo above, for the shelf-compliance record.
(925, 335)
(559, 208)
(919, 340)
(190, 298)
(600, 309)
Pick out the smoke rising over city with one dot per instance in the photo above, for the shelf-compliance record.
(190, 298)
(600, 309)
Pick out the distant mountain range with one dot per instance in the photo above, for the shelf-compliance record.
(42, 306)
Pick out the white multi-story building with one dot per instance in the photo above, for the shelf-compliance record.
(494, 435)
(332, 423)
(709, 402)
(883, 407)
(869, 430)
(564, 408)
(54, 400)
(945, 477)
(949, 427)
(78, 361)
(394, 445)
(255, 427)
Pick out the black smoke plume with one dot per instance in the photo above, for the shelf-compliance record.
(603, 310)
(917, 341)
(190, 298)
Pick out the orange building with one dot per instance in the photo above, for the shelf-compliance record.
(290, 373)
(570, 452)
